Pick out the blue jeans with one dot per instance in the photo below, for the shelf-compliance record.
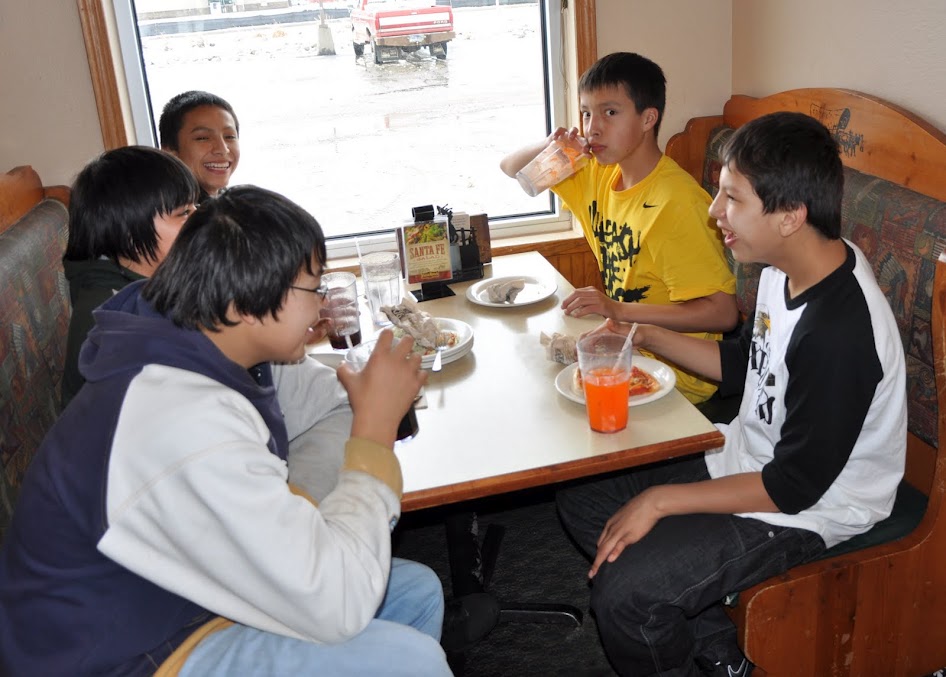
(403, 639)
(658, 605)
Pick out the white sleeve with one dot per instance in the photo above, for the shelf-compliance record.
(307, 392)
(316, 456)
(318, 420)
(202, 508)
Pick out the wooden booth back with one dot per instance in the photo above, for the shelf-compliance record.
(34, 319)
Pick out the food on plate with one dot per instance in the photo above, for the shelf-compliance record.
(559, 347)
(409, 320)
(641, 383)
(414, 322)
(451, 340)
(505, 292)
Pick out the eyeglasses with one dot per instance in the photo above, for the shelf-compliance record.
(321, 291)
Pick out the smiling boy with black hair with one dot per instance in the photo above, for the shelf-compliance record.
(202, 130)
(817, 450)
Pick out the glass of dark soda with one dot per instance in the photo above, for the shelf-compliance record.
(341, 308)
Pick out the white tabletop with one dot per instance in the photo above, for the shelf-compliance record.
(494, 421)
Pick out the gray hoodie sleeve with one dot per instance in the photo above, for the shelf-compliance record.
(318, 421)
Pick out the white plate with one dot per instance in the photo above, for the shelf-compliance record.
(564, 382)
(463, 346)
(535, 290)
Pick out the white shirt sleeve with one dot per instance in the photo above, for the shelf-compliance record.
(318, 420)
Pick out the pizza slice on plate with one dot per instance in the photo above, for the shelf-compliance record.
(642, 383)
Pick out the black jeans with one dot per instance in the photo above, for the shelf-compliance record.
(658, 606)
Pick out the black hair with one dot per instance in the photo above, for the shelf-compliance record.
(642, 79)
(791, 159)
(115, 198)
(172, 116)
(242, 250)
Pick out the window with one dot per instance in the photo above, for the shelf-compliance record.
(355, 142)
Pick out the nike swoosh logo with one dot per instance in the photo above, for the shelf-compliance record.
(647, 206)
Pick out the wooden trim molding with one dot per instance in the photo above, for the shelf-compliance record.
(586, 34)
(98, 49)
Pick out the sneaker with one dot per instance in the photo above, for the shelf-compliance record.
(744, 669)
(720, 669)
(467, 620)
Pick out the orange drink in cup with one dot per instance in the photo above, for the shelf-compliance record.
(606, 374)
(606, 396)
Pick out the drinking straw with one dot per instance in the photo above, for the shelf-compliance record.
(628, 342)
(358, 249)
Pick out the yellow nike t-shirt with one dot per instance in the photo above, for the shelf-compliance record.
(654, 242)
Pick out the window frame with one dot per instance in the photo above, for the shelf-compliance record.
(107, 65)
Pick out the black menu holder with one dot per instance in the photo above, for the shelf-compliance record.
(433, 290)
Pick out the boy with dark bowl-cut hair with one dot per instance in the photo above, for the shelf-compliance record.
(818, 448)
(203, 131)
(156, 532)
(126, 207)
(644, 217)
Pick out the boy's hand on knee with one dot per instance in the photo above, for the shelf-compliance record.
(627, 526)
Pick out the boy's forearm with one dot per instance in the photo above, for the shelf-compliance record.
(715, 313)
(725, 496)
(516, 160)
(695, 354)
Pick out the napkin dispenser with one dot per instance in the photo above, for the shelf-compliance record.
(465, 242)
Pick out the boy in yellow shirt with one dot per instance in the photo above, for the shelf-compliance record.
(646, 220)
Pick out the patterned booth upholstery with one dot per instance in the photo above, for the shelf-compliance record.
(34, 318)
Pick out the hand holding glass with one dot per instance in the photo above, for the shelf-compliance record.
(358, 358)
(554, 164)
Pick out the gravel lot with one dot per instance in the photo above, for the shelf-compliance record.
(359, 144)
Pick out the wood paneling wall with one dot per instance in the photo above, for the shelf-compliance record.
(572, 258)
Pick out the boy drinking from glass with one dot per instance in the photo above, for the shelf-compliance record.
(644, 217)
(156, 532)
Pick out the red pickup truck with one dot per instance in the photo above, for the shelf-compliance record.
(393, 27)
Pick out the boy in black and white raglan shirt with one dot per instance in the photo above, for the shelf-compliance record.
(816, 452)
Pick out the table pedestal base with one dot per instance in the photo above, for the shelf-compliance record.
(472, 566)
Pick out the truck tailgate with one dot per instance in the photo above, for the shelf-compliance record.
(414, 21)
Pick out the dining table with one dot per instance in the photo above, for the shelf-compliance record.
(493, 420)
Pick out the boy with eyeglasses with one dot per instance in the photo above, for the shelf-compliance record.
(156, 532)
